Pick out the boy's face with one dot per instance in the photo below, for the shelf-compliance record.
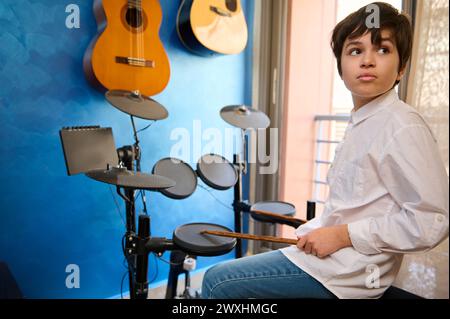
(369, 70)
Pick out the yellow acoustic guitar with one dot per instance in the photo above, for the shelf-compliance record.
(207, 27)
(127, 53)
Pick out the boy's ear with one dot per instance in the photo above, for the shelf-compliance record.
(400, 74)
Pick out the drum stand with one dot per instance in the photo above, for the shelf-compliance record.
(177, 259)
(240, 206)
(137, 277)
(137, 247)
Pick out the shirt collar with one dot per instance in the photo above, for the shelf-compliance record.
(374, 106)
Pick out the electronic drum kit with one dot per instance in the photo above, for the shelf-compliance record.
(174, 179)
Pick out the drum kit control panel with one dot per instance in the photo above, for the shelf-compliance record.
(91, 150)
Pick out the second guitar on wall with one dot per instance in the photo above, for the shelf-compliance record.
(208, 27)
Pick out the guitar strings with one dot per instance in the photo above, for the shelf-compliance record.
(140, 12)
(141, 29)
(138, 44)
(130, 39)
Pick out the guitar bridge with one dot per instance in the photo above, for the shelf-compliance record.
(135, 62)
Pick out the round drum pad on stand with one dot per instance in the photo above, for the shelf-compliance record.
(275, 207)
(179, 171)
(217, 172)
(189, 238)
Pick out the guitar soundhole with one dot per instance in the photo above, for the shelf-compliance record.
(134, 17)
(231, 5)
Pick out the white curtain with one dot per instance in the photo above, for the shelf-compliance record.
(427, 274)
(428, 82)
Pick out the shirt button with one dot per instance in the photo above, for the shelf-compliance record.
(440, 218)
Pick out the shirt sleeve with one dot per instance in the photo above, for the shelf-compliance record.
(414, 175)
(309, 226)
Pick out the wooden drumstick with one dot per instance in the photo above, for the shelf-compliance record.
(251, 237)
(287, 218)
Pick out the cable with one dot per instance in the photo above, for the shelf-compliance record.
(137, 197)
(168, 262)
(121, 284)
(117, 205)
(138, 157)
(141, 194)
(218, 200)
(141, 130)
(124, 253)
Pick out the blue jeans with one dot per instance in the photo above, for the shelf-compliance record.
(268, 275)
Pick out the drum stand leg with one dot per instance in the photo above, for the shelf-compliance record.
(130, 233)
(176, 268)
(236, 208)
(137, 259)
(310, 210)
(177, 260)
(239, 206)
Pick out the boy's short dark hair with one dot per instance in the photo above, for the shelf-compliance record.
(354, 26)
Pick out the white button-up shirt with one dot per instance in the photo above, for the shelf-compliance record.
(389, 184)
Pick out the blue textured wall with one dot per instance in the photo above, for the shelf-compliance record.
(49, 220)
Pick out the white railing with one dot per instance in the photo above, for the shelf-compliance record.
(322, 146)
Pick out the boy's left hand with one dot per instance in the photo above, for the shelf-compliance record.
(324, 241)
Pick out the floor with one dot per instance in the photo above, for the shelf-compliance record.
(196, 283)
